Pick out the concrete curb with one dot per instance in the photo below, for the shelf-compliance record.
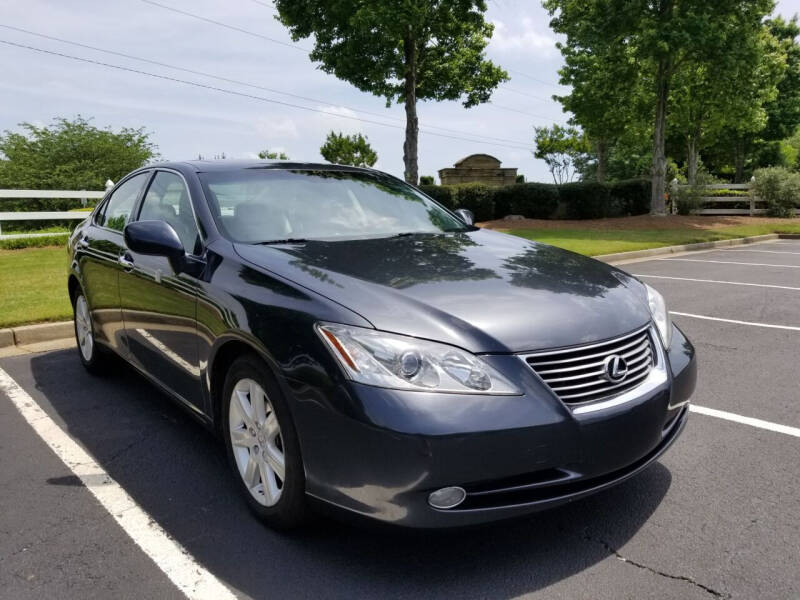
(34, 334)
(667, 250)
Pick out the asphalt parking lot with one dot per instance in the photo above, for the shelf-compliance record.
(717, 517)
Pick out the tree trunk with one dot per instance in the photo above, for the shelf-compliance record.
(692, 159)
(412, 123)
(738, 151)
(657, 204)
(602, 159)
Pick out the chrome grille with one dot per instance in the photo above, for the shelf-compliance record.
(577, 374)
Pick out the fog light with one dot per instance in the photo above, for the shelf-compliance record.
(448, 497)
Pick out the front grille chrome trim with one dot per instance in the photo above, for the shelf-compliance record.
(582, 387)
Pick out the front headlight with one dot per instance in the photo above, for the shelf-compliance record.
(658, 308)
(406, 363)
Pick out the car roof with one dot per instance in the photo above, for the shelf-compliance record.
(204, 166)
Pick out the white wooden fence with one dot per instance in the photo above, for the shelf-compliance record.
(83, 195)
(756, 206)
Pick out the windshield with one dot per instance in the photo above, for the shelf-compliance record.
(263, 205)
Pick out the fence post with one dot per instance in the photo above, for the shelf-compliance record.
(673, 196)
(752, 196)
(109, 184)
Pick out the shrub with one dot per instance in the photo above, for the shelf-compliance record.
(633, 196)
(34, 242)
(443, 194)
(531, 200)
(477, 197)
(426, 180)
(586, 200)
(780, 188)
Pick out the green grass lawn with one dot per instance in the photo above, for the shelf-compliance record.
(33, 286)
(595, 242)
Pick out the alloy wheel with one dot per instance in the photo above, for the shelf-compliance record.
(256, 441)
(83, 328)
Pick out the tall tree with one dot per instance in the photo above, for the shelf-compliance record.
(726, 88)
(71, 155)
(405, 51)
(563, 149)
(661, 36)
(348, 150)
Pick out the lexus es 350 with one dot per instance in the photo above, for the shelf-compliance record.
(355, 343)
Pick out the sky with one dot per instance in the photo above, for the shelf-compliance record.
(187, 120)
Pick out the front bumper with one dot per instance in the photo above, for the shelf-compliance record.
(385, 451)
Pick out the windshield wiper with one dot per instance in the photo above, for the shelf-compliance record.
(284, 241)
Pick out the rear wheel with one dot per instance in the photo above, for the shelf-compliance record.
(262, 446)
(91, 356)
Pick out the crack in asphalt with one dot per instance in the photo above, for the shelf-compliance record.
(684, 578)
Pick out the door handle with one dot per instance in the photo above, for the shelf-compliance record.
(125, 261)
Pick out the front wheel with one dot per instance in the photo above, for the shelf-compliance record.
(262, 445)
(91, 356)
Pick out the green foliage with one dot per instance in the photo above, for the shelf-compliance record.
(70, 155)
(351, 150)
(690, 198)
(402, 51)
(477, 197)
(34, 242)
(780, 188)
(426, 180)
(562, 149)
(271, 155)
(542, 200)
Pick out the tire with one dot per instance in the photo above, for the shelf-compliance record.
(92, 356)
(262, 448)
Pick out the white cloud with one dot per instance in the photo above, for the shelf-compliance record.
(525, 38)
(337, 118)
(273, 128)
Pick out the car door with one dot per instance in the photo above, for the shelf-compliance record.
(98, 252)
(158, 304)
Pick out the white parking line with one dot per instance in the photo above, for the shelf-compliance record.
(728, 262)
(175, 561)
(721, 414)
(764, 285)
(734, 321)
(762, 251)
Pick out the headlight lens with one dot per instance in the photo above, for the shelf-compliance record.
(658, 308)
(406, 363)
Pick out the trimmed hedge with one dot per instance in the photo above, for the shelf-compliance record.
(582, 200)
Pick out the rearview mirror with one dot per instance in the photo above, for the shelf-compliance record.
(465, 215)
(155, 238)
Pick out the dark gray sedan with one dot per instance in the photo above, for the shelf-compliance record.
(356, 344)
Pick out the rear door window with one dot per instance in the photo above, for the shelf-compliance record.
(117, 211)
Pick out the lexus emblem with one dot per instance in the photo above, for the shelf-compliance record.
(615, 368)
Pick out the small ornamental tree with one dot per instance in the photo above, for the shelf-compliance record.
(348, 150)
(272, 155)
(563, 149)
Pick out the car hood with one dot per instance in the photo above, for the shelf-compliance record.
(483, 290)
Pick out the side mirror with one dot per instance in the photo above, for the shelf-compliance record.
(465, 215)
(155, 238)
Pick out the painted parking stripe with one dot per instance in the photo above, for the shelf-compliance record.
(729, 262)
(735, 322)
(175, 561)
(761, 251)
(763, 285)
(728, 416)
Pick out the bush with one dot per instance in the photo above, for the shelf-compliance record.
(426, 179)
(443, 194)
(583, 200)
(780, 188)
(531, 200)
(34, 242)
